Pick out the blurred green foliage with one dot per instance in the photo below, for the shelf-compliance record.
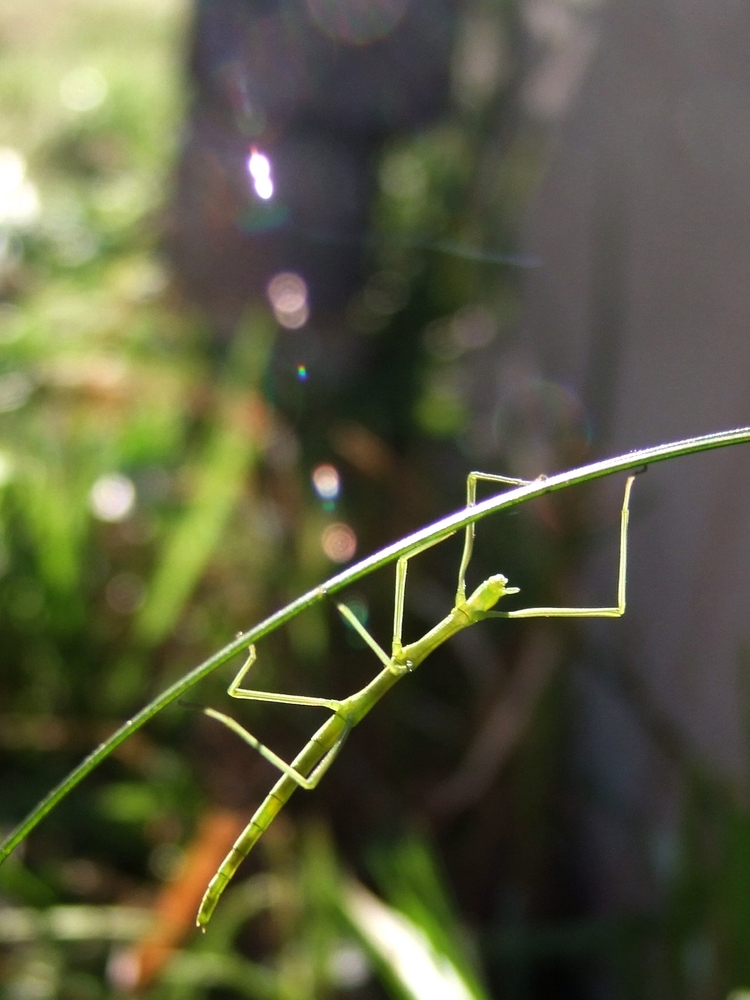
(151, 504)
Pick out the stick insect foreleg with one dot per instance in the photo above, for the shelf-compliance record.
(471, 499)
(611, 612)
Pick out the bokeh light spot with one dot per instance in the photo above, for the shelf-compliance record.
(302, 373)
(339, 542)
(112, 497)
(7, 468)
(403, 176)
(327, 482)
(359, 608)
(287, 293)
(15, 389)
(19, 199)
(165, 859)
(349, 967)
(83, 89)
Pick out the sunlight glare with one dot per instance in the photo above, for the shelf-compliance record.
(259, 168)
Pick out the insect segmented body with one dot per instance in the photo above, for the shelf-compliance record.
(309, 766)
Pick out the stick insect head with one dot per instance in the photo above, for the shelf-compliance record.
(487, 594)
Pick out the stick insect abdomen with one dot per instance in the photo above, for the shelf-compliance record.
(330, 733)
(262, 819)
(241, 848)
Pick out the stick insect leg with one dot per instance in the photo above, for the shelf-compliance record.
(398, 599)
(235, 691)
(349, 616)
(308, 782)
(471, 499)
(614, 612)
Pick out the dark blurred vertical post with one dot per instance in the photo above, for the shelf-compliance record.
(316, 88)
(642, 307)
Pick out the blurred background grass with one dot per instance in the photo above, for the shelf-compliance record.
(175, 462)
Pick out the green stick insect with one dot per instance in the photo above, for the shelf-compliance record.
(309, 766)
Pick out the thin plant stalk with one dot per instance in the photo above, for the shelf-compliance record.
(431, 534)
